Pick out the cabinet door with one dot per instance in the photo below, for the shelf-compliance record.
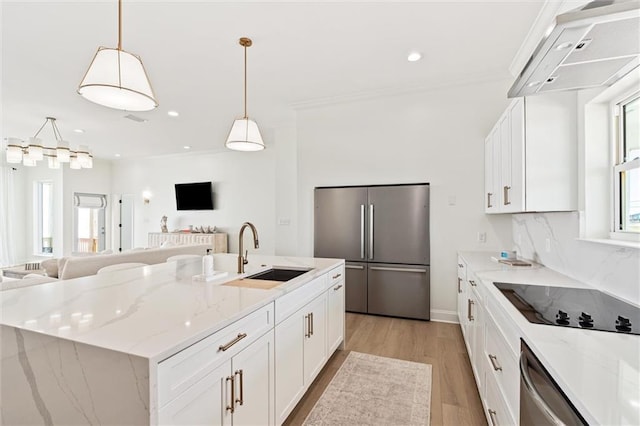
(399, 291)
(289, 350)
(204, 403)
(491, 171)
(315, 343)
(477, 357)
(254, 391)
(335, 317)
(504, 186)
(515, 191)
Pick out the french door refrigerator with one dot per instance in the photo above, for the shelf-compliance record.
(382, 232)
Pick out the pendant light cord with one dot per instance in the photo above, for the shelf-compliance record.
(119, 24)
(245, 82)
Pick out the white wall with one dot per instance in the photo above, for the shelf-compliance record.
(436, 137)
(243, 186)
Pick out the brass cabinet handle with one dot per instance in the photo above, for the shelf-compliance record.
(472, 282)
(233, 342)
(233, 393)
(506, 195)
(241, 399)
(469, 303)
(336, 276)
(338, 287)
(494, 362)
(489, 194)
(493, 416)
(307, 331)
(459, 287)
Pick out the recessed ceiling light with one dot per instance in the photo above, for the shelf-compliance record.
(78, 130)
(414, 56)
(117, 155)
(533, 83)
(186, 147)
(563, 46)
(173, 113)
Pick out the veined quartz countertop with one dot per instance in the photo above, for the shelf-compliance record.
(153, 311)
(598, 371)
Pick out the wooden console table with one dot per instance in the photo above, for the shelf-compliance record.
(218, 241)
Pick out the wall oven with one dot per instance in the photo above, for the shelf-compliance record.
(542, 402)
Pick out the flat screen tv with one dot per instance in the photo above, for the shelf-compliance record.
(194, 196)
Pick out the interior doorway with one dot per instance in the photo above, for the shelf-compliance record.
(89, 233)
(126, 222)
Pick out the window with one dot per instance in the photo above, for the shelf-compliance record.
(627, 167)
(44, 218)
(89, 222)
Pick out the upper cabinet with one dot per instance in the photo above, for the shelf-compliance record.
(531, 156)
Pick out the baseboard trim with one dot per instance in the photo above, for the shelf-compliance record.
(441, 315)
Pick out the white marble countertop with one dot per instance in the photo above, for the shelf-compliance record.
(153, 311)
(599, 371)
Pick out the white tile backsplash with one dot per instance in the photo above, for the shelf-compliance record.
(611, 268)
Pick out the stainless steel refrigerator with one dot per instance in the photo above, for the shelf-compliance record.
(383, 233)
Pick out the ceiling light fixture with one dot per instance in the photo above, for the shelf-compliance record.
(186, 147)
(414, 56)
(244, 134)
(173, 113)
(117, 79)
(78, 130)
(28, 154)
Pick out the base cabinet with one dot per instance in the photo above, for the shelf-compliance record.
(301, 353)
(335, 316)
(238, 392)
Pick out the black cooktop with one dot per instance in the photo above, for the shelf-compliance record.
(572, 307)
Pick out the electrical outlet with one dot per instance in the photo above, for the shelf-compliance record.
(482, 237)
(547, 245)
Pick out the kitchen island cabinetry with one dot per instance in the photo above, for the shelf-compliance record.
(531, 156)
(152, 346)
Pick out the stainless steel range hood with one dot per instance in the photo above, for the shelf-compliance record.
(591, 46)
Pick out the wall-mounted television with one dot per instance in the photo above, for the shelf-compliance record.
(194, 196)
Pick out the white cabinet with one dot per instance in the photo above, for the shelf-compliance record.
(300, 353)
(335, 314)
(239, 391)
(462, 294)
(474, 325)
(531, 156)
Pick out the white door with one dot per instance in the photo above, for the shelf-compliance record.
(315, 340)
(254, 384)
(335, 317)
(289, 350)
(204, 403)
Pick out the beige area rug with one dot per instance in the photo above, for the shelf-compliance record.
(372, 390)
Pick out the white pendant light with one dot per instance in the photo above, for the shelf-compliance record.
(117, 79)
(29, 162)
(53, 162)
(34, 149)
(244, 134)
(74, 163)
(83, 156)
(62, 151)
(14, 151)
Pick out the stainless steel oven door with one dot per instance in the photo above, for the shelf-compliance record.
(542, 402)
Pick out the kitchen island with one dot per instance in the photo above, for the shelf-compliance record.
(142, 346)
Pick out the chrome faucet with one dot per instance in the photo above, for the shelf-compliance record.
(242, 260)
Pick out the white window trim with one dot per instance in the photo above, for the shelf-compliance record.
(38, 218)
(618, 165)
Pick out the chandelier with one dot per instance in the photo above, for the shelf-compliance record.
(31, 152)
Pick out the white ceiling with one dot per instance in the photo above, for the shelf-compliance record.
(304, 53)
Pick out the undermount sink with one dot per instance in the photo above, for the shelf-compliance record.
(268, 279)
(278, 274)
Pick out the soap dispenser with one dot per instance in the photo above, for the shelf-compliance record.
(207, 264)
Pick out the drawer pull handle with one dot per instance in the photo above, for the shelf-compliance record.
(494, 362)
(336, 276)
(241, 399)
(233, 342)
(473, 283)
(233, 393)
(493, 416)
(469, 303)
(505, 194)
(384, 268)
(459, 287)
(311, 327)
(489, 194)
(460, 265)
(307, 331)
(338, 287)
(354, 266)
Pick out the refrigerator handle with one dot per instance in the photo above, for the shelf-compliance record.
(361, 231)
(370, 231)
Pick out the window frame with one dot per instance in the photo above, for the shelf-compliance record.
(620, 164)
(39, 217)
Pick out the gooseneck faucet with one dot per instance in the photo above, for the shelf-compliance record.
(242, 260)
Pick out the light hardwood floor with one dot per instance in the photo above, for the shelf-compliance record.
(454, 396)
